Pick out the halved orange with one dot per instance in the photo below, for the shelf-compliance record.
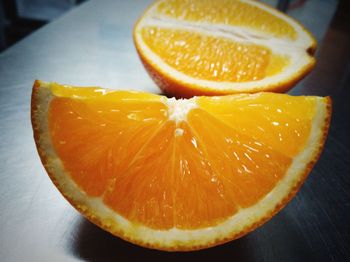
(177, 174)
(205, 47)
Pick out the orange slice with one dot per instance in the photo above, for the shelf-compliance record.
(205, 47)
(177, 174)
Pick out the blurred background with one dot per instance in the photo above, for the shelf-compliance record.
(19, 18)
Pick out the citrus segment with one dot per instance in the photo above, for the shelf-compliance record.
(199, 47)
(227, 12)
(143, 192)
(245, 163)
(176, 174)
(218, 58)
(284, 123)
(95, 122)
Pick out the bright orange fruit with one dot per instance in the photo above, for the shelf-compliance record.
(177, 174)
(205, 47)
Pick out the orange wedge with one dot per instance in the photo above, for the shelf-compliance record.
(205, 47)
(177, 174)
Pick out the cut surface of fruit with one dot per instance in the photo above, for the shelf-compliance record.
(197, 47)
(177, 174)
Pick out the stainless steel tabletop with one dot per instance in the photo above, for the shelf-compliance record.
(92, 45)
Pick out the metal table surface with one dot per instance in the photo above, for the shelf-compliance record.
(92, 45)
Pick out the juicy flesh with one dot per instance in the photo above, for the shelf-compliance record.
(227, 154)
(228, 12)
(207, 57)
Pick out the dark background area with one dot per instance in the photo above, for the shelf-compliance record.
(19, 18)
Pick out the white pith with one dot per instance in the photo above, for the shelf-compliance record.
(174, 237)
(179, 108)
(295, 50)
